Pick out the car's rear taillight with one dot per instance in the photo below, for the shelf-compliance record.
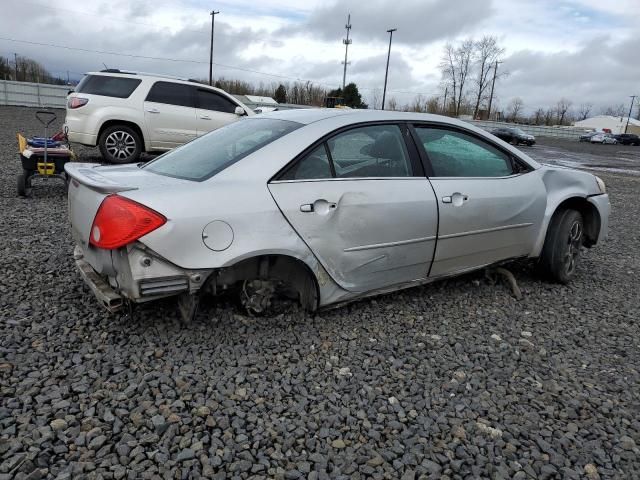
(120, 221)
(77, 102)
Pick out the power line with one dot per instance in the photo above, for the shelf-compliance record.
(186, 60)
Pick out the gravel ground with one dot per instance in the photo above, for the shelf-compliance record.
(453, 380)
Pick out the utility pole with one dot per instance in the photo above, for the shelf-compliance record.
(386, 73)
(346, 42)
(213, 17)
(633, 99)
(493, 84)
(15, 59)
(444, 104)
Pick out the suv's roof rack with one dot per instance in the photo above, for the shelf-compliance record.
(116, 70)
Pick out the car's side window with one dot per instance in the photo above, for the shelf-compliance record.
(372, 151)
(457, 154)
(313, 166)
(208, 100)
(171, 94)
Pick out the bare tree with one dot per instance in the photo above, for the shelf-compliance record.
(487, 52)
(548, 116)
(614, 110)
(514, 108)
(376, 99)
(393, 104)
(433, 105)
(538, 117)
(584, 110)
(562, 107)
(455, 67)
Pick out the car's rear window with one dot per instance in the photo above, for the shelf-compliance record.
(119, 87)
(205, 156)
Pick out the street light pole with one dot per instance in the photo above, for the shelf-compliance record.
(633, 99)
(213, 17)
(386, 73)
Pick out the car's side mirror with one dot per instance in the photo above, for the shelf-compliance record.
(240, 111)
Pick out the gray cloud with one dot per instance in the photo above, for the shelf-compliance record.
(600, 73)
(417, 21)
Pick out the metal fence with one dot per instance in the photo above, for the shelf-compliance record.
(535, 130)
(33, 94)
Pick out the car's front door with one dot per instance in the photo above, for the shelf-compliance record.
(213, 111)
(363, 205)
(170, 114)
(491, 205)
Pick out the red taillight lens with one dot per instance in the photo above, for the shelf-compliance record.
(120, 221)
(77, 102)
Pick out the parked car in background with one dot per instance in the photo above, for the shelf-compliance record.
(514, 136)
(325, 206)
(604, 138)
(628, 139)
(585, 137)
(126, 113)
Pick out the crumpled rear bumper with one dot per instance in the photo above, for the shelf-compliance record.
(106, 295)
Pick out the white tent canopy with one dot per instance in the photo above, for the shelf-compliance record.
(606, 122)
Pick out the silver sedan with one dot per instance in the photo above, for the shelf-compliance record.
(325, 206)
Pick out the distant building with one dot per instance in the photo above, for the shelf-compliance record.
(265, 104)
(608, 123)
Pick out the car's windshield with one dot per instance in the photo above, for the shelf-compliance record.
(212, 153)
(518, 131)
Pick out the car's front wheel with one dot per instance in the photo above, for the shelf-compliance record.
(120, 144)
(562, 245)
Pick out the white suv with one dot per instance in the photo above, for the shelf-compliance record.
(127, 113)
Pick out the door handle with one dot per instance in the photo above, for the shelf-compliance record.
(153, 110)
(321, 207)
(456, 199)
(205, 117)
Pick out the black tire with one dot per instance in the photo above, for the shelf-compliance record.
(24, 185)
(120, 144)
(562, 245)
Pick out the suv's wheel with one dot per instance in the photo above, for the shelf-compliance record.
(562, 245)
(120, 144)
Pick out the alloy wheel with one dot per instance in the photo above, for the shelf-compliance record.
(574, 241)
(120, 144)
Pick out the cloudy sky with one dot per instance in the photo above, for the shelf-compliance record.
(585, 50)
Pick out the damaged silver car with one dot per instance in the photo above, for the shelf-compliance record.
(325, 206)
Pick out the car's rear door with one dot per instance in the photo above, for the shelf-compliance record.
(213, 110)
(361, 202)
(170, 114)
(491, 205)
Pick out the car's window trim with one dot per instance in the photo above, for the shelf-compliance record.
(325, 139)
(455, 128)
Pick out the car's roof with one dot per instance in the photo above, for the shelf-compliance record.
(311, 115)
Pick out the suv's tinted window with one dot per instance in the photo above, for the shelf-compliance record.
(375, 151)
(314, 166)
(171, 94)
(209, 100)
(456, 154)
(120, 87)
(215, 151)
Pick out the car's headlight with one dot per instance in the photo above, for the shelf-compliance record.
(601, 185)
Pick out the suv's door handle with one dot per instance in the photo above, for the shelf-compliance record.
(446, 199)
(205, 117)
(153, 110)
(306, 208)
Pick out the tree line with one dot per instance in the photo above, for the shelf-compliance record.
(24, 69)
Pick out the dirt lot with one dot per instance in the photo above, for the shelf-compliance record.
(453, 380)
